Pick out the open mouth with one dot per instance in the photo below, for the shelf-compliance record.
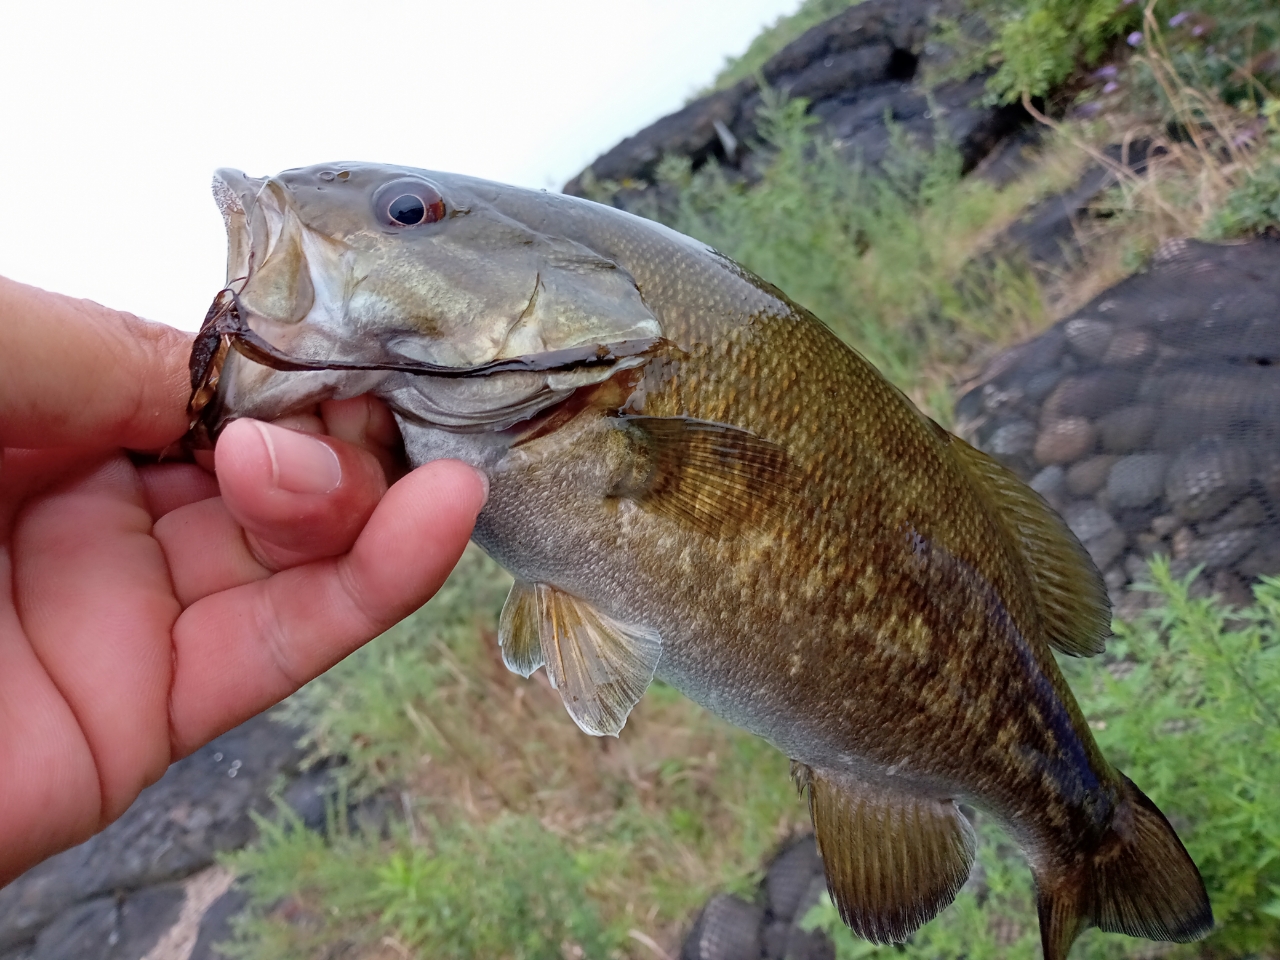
(225, 328)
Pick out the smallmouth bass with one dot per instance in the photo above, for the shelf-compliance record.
(692, 478)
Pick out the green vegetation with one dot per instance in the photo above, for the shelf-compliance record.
(1187, 703)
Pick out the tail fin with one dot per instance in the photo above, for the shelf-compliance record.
(1139, 881)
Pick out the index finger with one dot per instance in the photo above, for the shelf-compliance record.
(76, 373)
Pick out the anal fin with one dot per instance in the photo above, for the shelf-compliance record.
(893, 860)
(600, 666)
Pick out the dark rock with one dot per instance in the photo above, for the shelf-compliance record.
(774, 940)
(215, 926)
(1231, 589)
(809, 945)
(1091, 394)
(1207, 478)
(1046, 234)
(1015, 439)
(199, 807)
(1221, 550)
(1088, 521)
(1106, 547)
(310, 796)
(817, 890)
(1089, 338)
(1264, 561)
(86, 932)
(1126, 430)
(1249, 512)
(1062, 441)
(788, 878)
(1115, 579)
(1088, 476)
(1041, 384)
(108, 929)
(1137, 480)
(1129, 348)
(855, 69)
(996, 398)
(727, 929)
(145, 916)
(1051, 483)
(841, 71)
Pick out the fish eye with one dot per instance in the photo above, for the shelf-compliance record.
(408, 203)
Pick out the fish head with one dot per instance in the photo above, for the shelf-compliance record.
(450, 297)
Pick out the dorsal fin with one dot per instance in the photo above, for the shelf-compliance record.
(1069, 591)
(601, 666)
(893, 860)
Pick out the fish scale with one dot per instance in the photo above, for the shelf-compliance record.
(721, 494)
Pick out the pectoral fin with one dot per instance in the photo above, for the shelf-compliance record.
(716, 478)
(600, 666)
(893, 860)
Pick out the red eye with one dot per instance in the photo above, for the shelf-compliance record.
(408, 203)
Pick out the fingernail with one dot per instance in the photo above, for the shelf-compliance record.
(484, 480)
(300, 463)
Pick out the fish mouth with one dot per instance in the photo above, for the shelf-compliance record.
(226, 329)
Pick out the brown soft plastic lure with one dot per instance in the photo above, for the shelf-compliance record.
(725, 496)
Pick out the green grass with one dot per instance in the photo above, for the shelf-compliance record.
(1187, 703)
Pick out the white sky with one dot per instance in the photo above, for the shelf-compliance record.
(113, 115)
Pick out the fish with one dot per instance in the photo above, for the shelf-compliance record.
(692, 478)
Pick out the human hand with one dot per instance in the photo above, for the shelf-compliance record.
(148, 609)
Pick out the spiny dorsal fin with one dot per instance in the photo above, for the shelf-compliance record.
(600, 666)
(713, 477)
(1070, 593)
(893, 861)
(518, 630)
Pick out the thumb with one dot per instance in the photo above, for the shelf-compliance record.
(299, 497)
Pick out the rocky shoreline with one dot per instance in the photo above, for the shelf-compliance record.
(148, 887)
(1150, 418)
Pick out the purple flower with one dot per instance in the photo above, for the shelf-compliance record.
(1087, 110)
(1111, 87)
(1178, 18)
(1106, 73)
(1197, 30)
(1134, 39)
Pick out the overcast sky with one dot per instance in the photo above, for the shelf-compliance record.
(113, 115)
